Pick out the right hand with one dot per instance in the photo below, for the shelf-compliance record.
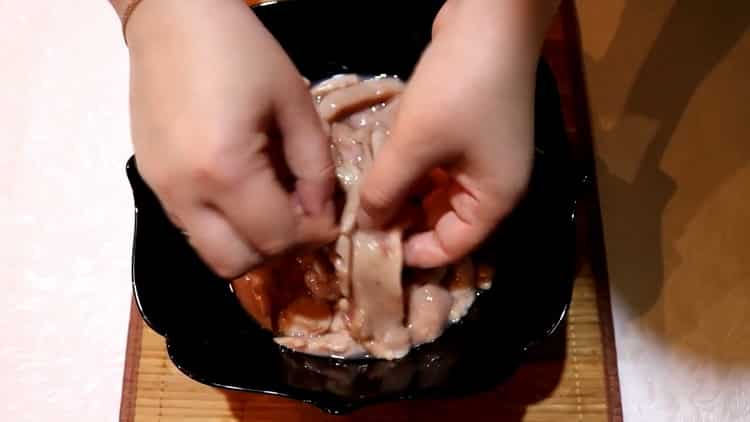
(468, 109)
(212, 97)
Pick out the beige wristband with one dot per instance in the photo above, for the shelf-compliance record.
(132, 4)
(125, 9)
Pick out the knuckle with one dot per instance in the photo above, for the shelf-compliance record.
(219, 164)
(211, 169)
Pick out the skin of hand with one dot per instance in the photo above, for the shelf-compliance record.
(219, 117)
(467, 110)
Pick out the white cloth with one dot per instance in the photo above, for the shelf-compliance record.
(65, 211)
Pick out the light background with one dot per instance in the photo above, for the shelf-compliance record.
(669, 91)
(65, 211)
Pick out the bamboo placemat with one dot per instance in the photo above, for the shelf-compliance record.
(562, 381)
(571, 377)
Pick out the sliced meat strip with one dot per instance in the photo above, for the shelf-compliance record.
(341, 316)
(333, 84)
(376, 116)
(352, 153)
(377, 314)
(364, 118)
(338, 345)
(342, 263)
(429, 309)
(356, 97)
(305, 316)
(379, 136)
(349, 214)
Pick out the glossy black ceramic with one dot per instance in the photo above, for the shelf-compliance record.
(212, 340)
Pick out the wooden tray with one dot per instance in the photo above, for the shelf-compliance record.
(572, 377)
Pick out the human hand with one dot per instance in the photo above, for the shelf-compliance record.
(213, 99)
(468, 110)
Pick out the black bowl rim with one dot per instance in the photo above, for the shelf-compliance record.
(329, 403)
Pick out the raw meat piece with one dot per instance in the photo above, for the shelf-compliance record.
(254, 293)
(305, 316)
(461, 286)
(355, 97)
(377, 314)
(338, 345)
(333, 84)
(429, 308)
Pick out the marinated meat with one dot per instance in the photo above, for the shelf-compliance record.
(254, 292)
(320, 277)
(305, 316)
(333, 84)
(342, 258)
(355, 97)
(337, 345)
(461, 287)
(341, 316)
(485, 274)
(429, 308)
(354, 298)
(377, 312)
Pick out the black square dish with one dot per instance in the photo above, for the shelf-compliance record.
(212, 340)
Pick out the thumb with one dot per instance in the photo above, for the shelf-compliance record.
(402, 162)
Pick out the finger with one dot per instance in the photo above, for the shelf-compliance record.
(318, 230)
(218, 243)
(269, 218)
(435, 205)
(446, 12)
(401, 165)
(306, 148)
(459, 229)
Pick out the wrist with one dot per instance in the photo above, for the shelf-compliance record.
(160, 21)
(514, 29)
